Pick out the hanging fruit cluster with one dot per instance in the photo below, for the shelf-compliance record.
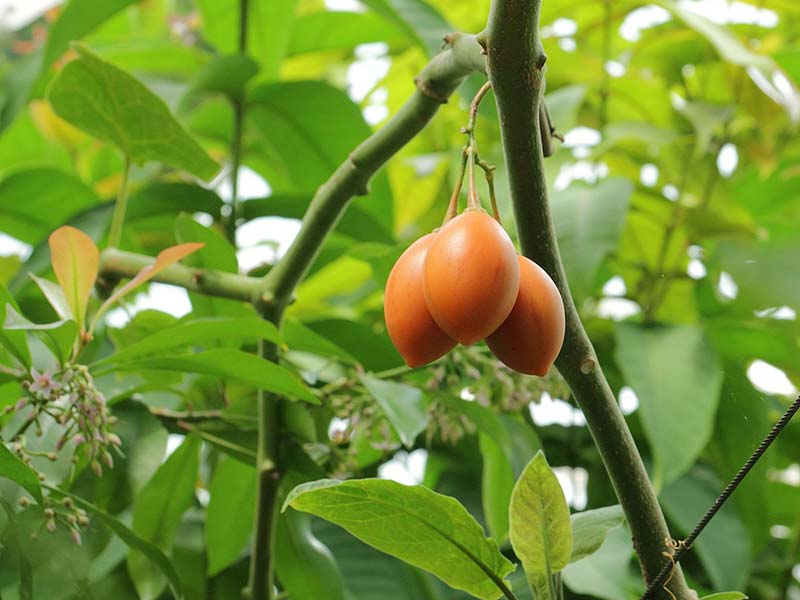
(465, 282)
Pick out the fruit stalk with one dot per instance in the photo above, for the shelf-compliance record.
(513, 45)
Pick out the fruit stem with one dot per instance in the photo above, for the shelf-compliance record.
(452, 208)
(488, 171)
(473, 202)
(473, 106)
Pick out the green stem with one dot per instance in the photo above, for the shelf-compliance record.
(260, 586)
(238, 131)
(115, 264)
(514, 48)
(121, 206)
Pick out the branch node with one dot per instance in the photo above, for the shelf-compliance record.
(588, 365)
(424, 87)
(541, 59)
(197, 277)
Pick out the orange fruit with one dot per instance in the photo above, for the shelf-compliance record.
(530, 339)
(413, 331)
(471, 276)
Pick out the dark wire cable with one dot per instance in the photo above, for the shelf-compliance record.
(684, 545)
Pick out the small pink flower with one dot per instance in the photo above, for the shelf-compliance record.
(43, 384)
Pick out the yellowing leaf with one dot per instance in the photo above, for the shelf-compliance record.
(75, 261)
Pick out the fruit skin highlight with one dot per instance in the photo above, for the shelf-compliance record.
(412, 329)
(530, 339)
(471, 277)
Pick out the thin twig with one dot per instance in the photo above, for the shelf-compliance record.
(684, 545)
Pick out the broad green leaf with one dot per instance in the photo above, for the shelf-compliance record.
(589, 221)
(17, 471)
(223, 362)
(677, 377)
(497, 483)
(25, 589)
(706, 119)
(226, 75)
(726, 596)
(113, 106)
(165, 258)
(301, 338)
(539, 525)
(563, 105)
(306, 568)
(403, 405)
(194, 332)
(133, 541)
(356, 222)
(608, 573)
(332, 125)
(78, 18)
(685, 501)
(59, 336)
(269, 29)
(734, 51)
(14, 341)
(373, 350)
(55, 296)
(760, 268)
(36, 201)
(158, 511)
(75, 260)
(590, 528)
(428, 530)
(229, 518)
(324, 31)
(417, 18)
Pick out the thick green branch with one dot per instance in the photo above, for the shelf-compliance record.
(516, 62)
(434, 85)
(116, 264)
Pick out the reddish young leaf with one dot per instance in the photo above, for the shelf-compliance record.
(75, 260)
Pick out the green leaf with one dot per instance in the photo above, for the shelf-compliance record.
(759, 269)
(325, 31)
(497, 484)
(228, 363)
(402, 404)
(426, 529)
(539, 526)
(78, 18)
(331, 126)
(269, 29)
(706, 119)
(417, 18)
(301, 338)
(113, 106)
(133, 541)
(677, 377)
(226, 75)
(685, 501)
(60, 336)
(14, 341)
(726, 596)
(734, 51)
(607, 573)
(55, 296)
(589, 222)
(12, 540)
(305, 567)
(158, 511)
(17, 471)
(36, 201)
(194, 332)
(591, 527)
(229, 519)
(373, 350)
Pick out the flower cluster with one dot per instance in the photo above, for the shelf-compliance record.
(62, 512)
(72, 400)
